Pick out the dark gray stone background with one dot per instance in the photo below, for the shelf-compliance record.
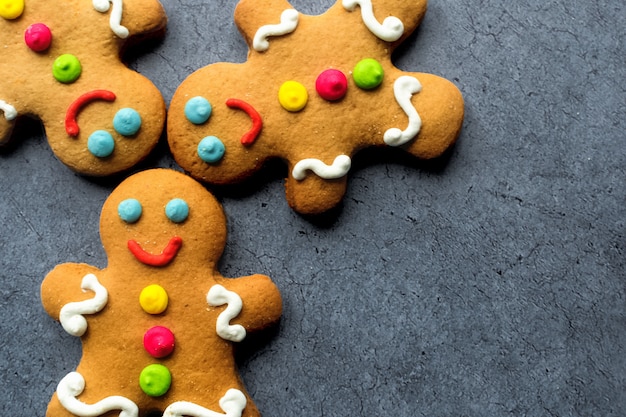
(492, 284)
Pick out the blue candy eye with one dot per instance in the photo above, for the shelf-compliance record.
(129, 210)
(177, 210)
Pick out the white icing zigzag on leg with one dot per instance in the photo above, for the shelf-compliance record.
(115, 21)
(390, 30)
(71, 315)
(288, 23)
(404, 88)
(9, 111)
(73, 384)
(233, 403)
(340, 167)
(218, 296)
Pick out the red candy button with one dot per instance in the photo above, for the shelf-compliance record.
(331, 85)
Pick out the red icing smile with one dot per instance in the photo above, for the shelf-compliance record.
(162, 259)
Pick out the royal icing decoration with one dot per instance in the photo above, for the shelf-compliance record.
(288, 23)
(11, 9)
(73, 384)
(390, 30)
(116, 15)
(339, 168)
(159, 342)
(198, 110)
(9, 111)
(368, 74)
(404, 88)
(101, 144)
(331, 85)
(127, 122)
(250, 136)
(155, 380)
(162, 259)
(66, 68)
(232, 403)
(292, 96)
(38, 37)
(177, 210)
(129, 210)
(71, 315)
(211, 149)
(218, 296)
(153, 299)
(71, 125)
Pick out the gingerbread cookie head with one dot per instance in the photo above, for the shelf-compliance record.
(159, 323)
(61, 64)
(313, 92)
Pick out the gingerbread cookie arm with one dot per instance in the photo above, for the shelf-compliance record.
(440, 107)
(265, 22)
(63, 285)
(261, 301)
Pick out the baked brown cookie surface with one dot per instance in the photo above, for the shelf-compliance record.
(61, 64)
(158, 325)
(313, 92)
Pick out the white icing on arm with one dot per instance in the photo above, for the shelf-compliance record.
(9, 111)
(340, 167)
(73, 384)
(404, 88)
(218, 296)
(288, 23)
(233, 403)
(391, 29)
(115, 20)
(71, 315)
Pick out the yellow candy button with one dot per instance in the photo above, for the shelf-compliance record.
(11, 9)
(292, 96)
(153, 299)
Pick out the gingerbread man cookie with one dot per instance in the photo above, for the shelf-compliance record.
(61, 64)
(159, 323)
(313, 92)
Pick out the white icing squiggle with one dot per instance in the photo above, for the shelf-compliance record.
(71, 315)
(340, 167)
(73, 384)
(390, 30)
(9, 111)
(403, 89)
(218, 296)
(288, 23)
(115, 20)
(233, 403)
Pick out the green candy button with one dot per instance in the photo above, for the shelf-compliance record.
(368, 74)
(66, 68)
(155, 380)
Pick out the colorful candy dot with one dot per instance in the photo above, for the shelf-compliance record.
(155, 380)
(100, 143)
(11, 9)
(129, 210)
(177, 210)
(331, 85)
(38, 37)
(66, 68)
(211, 149)
(153, 299)
(292, 96)
(198, 110)
(368, 74)
(127, 122)
(159, 341)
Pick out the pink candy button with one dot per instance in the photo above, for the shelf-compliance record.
(331, 85)
(38, 37)
(159, 341)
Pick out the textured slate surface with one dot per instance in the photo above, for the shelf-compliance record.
(492, 284)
